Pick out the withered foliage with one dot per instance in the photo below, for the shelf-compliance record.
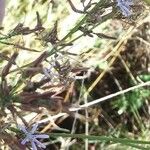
(47, 85)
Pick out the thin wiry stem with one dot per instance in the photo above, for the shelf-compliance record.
(19, 46)
(110, 96)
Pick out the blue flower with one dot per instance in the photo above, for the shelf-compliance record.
(124, 5)
(31, 137)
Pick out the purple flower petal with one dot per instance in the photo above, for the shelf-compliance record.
(41, 136)
(33, 146)
(23, 142)
(34, 127)
(39, 143)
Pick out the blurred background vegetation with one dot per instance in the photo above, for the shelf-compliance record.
(74, 58)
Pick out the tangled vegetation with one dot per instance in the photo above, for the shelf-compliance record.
(74, 74)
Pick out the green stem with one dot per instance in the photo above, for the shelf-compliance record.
(100, 138)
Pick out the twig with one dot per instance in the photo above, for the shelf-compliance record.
(75, 9)
(109, 96)
(19, 46)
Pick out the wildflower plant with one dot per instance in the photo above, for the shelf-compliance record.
(125, 7)
(31, 136)
(58, 70)
(23, 89)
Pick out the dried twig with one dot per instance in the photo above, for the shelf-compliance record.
(109, 96)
